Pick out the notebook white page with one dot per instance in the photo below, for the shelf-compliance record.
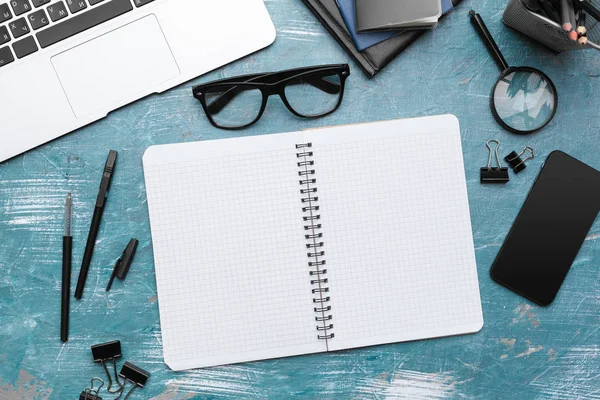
(230, 259)
(397, 231)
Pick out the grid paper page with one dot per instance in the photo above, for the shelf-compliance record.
(395, 213)
(230, 256)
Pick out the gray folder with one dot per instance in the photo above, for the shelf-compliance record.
(372, 15)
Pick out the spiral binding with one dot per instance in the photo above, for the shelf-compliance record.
(314, 243)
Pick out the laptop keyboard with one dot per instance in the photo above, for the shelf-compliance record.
(28, 25)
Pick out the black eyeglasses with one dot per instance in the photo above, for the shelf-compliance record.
(239, 102)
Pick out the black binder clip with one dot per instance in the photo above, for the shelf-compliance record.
(491, 174)
(91, 393)
(135, 375)
(108, 352)
(516, 161)
(123, 263)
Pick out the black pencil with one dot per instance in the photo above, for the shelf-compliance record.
(550, 10)
(581, 28)
(565, 9)
(66, 272)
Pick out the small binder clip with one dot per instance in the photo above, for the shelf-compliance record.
(91, 393)
(517, 162)
(108, 352)
(491, 174)
(123, 263)
(135, 375)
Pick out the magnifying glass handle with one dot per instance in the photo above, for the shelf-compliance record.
(489, 41)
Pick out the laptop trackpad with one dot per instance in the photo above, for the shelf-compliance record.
(116, 68)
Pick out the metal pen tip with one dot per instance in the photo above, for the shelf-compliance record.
(68, 207)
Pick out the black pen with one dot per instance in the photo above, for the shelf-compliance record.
(66, 272)
(98, 210)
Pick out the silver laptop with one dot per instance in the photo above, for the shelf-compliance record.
(67, 63)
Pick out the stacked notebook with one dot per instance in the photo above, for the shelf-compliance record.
(372, 41)
(309, 242)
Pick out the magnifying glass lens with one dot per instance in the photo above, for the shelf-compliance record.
(525, 100)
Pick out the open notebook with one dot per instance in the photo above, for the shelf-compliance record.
(313, 241)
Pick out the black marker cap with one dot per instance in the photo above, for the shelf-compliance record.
(122, 268)
(124, 263)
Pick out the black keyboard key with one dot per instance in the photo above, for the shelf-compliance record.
(20, 6)
(76, 5)
(25, 47)
(19, 27)
(139, 3)
(39, 3)
(38, 19)
(57, 11)
(94, 2)
(5, 13)
(82, 22)
(4, 36)
(6, 56)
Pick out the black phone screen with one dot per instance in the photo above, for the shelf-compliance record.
(550, 229)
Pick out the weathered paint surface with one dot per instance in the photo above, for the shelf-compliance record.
(523, 352)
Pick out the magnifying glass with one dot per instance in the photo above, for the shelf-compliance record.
(524, 99)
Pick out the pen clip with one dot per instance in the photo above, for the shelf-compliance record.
(109, 169)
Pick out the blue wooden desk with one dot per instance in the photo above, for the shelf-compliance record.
(523, 352)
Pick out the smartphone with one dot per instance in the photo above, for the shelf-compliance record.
(550, 229)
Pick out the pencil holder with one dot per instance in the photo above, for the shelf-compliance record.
(539, 28)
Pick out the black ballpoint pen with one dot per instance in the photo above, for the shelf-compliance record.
(98, 210)
(66, 272)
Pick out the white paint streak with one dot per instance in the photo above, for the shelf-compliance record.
(573, 375)
(530, 350)
(225, 381)
(410, 385)
(173, 392)
(300, 32)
